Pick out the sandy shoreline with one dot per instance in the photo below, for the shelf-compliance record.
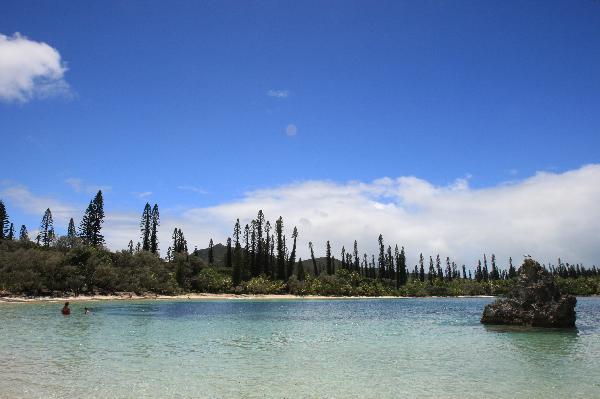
(196, 296)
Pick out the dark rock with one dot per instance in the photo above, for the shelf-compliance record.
(535, 301)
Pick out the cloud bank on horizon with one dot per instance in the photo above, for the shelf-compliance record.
(548, 215)
(30, 69)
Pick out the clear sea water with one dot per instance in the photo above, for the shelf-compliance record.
(355, 348)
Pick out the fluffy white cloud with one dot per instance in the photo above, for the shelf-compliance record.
(547, 215)
(29, 69)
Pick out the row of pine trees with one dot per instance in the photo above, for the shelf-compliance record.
(262, 249)
(88, 234)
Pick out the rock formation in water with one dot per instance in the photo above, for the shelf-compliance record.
(535, 301)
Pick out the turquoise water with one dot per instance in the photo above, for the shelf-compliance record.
(359, 348)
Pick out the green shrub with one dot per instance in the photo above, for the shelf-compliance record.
(209, 280)
(264, 286)
(579, 285)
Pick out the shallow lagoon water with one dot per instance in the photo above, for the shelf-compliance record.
(354, 348)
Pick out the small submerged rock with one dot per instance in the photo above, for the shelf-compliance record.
(535, 301)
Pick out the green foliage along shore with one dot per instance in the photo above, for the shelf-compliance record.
(255, 260)
(27, 268)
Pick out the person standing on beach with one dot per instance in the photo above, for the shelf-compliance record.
(66, 310)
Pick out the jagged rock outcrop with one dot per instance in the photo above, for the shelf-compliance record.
(535, 300)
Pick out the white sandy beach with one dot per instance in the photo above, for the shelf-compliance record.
(198, 296)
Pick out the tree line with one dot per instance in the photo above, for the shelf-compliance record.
(258, 257)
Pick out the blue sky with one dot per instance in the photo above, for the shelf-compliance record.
(190, 101)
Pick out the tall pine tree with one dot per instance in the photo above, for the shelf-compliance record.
(260, 250)
(46, 234)
(390, 263)
(485, 272)
(292, 259)
(10, 235)
(356, 266)
(438, 268)
(236, 272)
(154, 223)
(478, 272)
(400, 267)
(494, 274)
(146, 227)
(71, 234)
(211, 255)
(431, 273)
(381, 259)
(449, 274)
(4, 223)
(179, 242)
(312, 257)
(253, 262)
(267, 259)
(280, 249)
(91, 224)
(272, 258)
(246, 263)
(23, 234)
(512, 272)
(328, 261)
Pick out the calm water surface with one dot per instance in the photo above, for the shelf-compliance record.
(359, 348)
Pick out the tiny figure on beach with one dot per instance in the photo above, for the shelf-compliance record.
(87, 311)
(66, 310)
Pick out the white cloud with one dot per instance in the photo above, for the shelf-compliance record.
(547, 215)
(192, 189)
(20, 197)
(144, 194)
(278, 93)
(78, 186)
(291, 130)
(30, 69)
(118, 228)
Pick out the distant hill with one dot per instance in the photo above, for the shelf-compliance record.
(321, 264)
(219, 251)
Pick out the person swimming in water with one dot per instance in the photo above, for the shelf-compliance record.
(66, 310)
(87, 311)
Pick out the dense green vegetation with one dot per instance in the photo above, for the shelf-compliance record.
(256, 260)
